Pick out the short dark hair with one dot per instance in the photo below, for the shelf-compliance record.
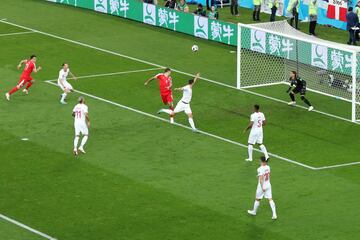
(64, 63)
(32, 56)
(167, 70)
(263, 159)
(191, 81)
(257, 107)
(294, 72)
(350, 9)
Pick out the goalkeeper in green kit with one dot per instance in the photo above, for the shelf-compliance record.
(297, 85)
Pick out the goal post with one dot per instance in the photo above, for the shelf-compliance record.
(267, 52)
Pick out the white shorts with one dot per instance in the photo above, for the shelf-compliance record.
(256, 137)
(81, 128)
(182, 107)
(260, 194)
(66, 84)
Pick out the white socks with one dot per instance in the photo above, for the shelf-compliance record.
(272, 205)
(192, 124)
(168, 111)
(83, 141)
(76, 140)
(250, 151)
(263, 149)
(256, 205)
(63, 96)
(273, 208)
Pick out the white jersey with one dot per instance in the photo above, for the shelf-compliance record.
(265, 172)
(63, 75)
(258, 119)
(80, 111)
(187, 94)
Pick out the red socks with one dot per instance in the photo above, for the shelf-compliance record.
(15, 89)
(29, 84)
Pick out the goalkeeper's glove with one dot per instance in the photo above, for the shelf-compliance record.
(288, 90)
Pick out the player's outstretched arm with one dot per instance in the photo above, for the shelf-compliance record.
(249, 126)
(149, 80)
(197, 77)
(73, 76)
(37, 69)
(21, 63)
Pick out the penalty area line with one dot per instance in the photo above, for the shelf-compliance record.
(111, 74)
(15, 33)
(30, 229)
(186, 127)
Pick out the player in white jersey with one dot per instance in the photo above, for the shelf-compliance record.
(257, 121)
(81, 124)
(263, 189)
(184, 104)
(63, 83)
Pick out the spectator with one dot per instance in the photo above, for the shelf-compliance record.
(257, 8)
(170, 4)
(212, 3)
(352, 21)
(293, 10)
(234, 8)
(182, 6)
(200, 10)
(213, 14)
(273, 5)
(357, 11)
(313, 8)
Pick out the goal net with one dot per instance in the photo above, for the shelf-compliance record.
(267, 52)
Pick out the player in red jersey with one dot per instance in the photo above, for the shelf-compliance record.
(25, 78)
(165, 84)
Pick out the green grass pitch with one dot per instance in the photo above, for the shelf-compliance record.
(143, 178)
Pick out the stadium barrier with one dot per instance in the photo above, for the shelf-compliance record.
(188, 23)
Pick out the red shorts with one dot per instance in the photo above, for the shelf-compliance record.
(23, 80)
(167, 97)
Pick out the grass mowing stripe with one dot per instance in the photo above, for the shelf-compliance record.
(183, 126)
(26, 227)
(160, 66)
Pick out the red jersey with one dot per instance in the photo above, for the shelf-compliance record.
(165, 83)
(29, 68)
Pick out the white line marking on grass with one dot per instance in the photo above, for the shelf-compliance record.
(183, 126)
(160, 66)
(113, 73)
(338, 165)
(19, 224)
(16, 33)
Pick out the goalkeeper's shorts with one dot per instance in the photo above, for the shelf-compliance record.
(302, 91)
